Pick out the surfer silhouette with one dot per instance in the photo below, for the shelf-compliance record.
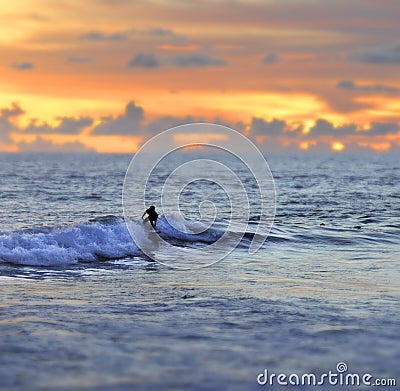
(152, 216)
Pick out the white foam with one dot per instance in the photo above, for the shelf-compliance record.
(68, 245)
(90, 241)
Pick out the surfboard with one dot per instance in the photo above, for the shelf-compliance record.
(148, 225)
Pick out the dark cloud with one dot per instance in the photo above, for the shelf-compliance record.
(133, 122)
(260, 127)
(161, 32)
(342, 102)
(324, 127)
(101, 37)
(157, 32)
(273, 145)
(275, 128)
(6, 116)
(14, 111)
(382, 128)
(380, 56)
(395, 150)
(163, 123)
(80, 60)
(373, 88)
(4, 132)
(67, 125)
(36, 127)
(144, 60)
(166, 122)
(22, 66)
(128, 123)
(148, 60)
(239, 126)
(277, 135)
(196, 60)
(42, 145)
(270, 58)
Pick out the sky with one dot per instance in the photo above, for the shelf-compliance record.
(293, 75)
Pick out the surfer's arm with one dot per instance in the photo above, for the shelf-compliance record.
(144, 214)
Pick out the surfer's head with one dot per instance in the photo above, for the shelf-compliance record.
(152, 207)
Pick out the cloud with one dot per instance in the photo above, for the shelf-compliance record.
(42, 145)
(324, 127)
(70, 125)
(128, 123)
(166, 122)
(4, 132)
(6, 117)
(134, 122)
(22, 66)
(278, 135)
(274, 135)
(101, 37)
(80, 60)
(148, 60)
(144, 60)
(14, 111)
(67, 125)
(157, 32)
(380, 56)
(161, 32)
(374, 88)
(196, 60)
(239, 126)
(36, 127)
(382, 128)
(343, 101)
(270, 58)
(275, 127)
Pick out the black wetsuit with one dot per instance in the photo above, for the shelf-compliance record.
(153, 216)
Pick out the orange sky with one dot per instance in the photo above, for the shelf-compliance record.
(273, 70)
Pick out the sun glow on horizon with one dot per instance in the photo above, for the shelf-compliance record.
(377, 147)
(338, 146)
(305, 145)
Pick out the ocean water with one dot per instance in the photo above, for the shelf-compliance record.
(82, 308)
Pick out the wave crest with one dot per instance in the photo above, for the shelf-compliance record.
(106, 237)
